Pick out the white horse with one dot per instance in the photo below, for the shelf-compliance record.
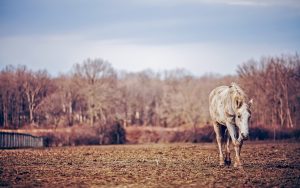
(229, 109)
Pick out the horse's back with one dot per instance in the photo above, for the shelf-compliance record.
(218, 94)
(216, 100)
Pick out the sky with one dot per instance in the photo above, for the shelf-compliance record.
(201, 36)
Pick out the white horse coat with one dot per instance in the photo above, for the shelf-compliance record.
(228, 107)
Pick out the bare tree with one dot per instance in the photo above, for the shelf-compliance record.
(7, 86)
(96, 79)
(274, 84)
(36, 87)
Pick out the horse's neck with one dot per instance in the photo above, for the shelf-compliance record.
(229, 103)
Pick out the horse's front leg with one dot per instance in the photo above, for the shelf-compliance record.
(227, 154)
(217, 129)
(238, 149)
(236, 143)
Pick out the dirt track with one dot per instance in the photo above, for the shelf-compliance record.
(160, 165)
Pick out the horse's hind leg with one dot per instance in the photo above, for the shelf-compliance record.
(217, 129)
(227, 153)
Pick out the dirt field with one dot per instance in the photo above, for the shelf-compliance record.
(159, 165)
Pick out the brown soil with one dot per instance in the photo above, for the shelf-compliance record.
(157, 165)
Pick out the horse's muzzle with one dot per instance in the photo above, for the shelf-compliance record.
(245, 137)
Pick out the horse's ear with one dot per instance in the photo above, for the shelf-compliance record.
(238, 102)
(250, 103)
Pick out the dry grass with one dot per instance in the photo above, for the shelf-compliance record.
(156, 165)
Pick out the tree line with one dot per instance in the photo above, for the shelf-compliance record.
(94, 94)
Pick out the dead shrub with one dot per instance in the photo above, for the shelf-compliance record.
(112, 133)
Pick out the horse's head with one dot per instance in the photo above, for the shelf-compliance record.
(242, 110)
(242, 119)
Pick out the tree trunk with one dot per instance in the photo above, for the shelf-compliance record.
(5, 116)
(30, 100)
(91, 117)
(31, 119)
(289, 118)
(281, 113)
(288, 111)
(274, 132)
(70, 114)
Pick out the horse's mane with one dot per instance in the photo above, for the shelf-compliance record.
(237, 90)
(237, 94)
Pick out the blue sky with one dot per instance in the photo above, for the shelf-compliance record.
(202, 36)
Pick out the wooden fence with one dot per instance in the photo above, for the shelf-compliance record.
(19, 140)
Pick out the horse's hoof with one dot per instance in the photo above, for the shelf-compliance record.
(237, 165)
(227, 162)
(222, 163)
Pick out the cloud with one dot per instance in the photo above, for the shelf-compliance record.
(290, 3)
